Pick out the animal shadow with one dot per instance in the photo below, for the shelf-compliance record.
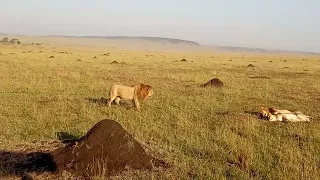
(21, 163)
(251, 112)
(101, 101)
(66, 138)
(104, 101)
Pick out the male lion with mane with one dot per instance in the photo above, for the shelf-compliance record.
(284, 115)
(138, 92)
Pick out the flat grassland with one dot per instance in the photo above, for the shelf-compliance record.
(204, 133)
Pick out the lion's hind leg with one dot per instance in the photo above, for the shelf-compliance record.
(117, 100)
(112, 98)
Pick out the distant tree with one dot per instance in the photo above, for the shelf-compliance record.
(5, 39)
(18, 42)
(13, 41)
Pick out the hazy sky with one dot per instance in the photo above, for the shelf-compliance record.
(278, 24)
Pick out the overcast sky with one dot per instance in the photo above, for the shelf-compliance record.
(276, 24)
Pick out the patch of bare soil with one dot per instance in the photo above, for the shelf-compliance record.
(215, 82)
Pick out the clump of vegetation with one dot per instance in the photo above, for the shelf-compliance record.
(14, 41)
(5, 40)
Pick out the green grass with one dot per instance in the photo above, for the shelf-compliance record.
(202, 133)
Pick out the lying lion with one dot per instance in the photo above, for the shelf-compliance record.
(139, 92)
(272, 114)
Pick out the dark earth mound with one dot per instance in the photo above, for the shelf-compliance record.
(106, 146)
(250, 65)
(114, 62)
(107, 149)
(215, 82)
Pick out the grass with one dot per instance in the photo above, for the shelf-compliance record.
(202, 133)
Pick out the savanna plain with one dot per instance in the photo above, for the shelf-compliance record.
(203, 133)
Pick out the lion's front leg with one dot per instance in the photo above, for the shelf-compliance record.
(136, 103)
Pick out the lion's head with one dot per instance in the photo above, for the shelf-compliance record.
(144, 91)
(263, 113)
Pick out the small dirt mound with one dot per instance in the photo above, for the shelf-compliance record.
(270, 61)
(250, 65)
(114, 62)
(106, 146)
(285, 61)
(51, 57)
(94, 57)
(215, 82)
(183, 60)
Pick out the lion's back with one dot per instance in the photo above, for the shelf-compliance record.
(124, 92)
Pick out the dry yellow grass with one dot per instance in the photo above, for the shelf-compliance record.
(202, 133)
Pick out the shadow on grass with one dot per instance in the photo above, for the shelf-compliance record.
(104, 101)
(21, 163)
(254, 113)
(101, 101)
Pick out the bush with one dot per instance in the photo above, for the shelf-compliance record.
(5, 39)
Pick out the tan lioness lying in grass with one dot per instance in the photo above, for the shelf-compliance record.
(139, 92)
(272, 114)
